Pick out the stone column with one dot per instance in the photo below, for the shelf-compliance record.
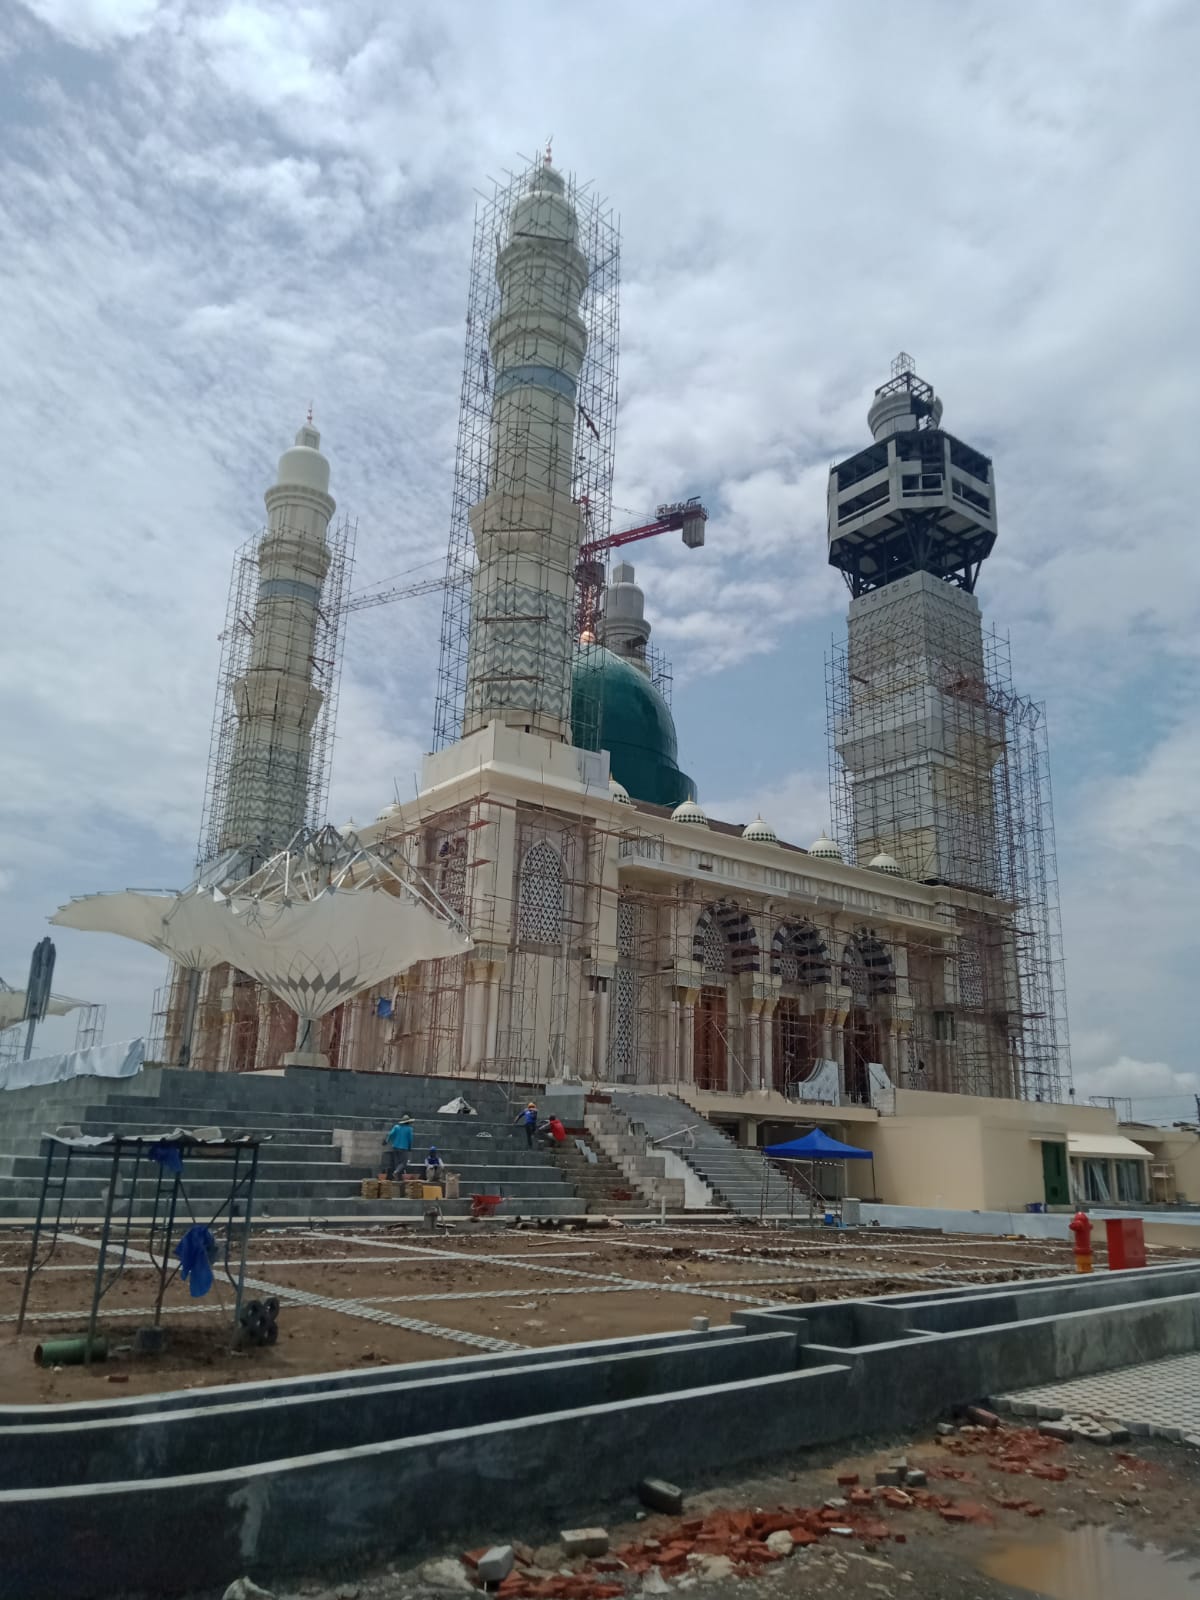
(687, 1034)
(600, 1035)
(754, 1039)
(767, 1027)
(495, 969)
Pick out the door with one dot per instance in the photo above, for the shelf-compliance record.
(712, 1060)
(794, 1046)
(861, 1036)
(1054, 1174)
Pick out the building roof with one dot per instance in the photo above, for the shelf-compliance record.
(615, 707)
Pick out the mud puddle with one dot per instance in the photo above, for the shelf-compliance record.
(1093, 1564)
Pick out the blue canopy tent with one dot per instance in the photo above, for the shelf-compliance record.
(818, 1148)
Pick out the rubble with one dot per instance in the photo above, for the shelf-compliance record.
(659, 1495)
(584, 1541)
(496, 1564)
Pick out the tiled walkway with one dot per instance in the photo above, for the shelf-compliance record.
(1161, 1397)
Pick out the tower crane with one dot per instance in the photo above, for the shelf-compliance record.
(684, 516)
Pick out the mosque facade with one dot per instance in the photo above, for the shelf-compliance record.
(620, 933)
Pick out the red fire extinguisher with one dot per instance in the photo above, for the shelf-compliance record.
(1081, 1230)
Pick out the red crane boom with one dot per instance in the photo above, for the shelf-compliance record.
(684, 516)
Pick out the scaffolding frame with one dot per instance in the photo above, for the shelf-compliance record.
(989, 999)
(219, 830)
(477, 466)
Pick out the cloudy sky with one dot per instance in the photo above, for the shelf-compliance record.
(213, 213)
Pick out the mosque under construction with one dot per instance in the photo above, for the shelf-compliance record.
(620, 934)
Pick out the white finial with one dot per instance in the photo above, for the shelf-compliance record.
(547, 160)
(310, 413)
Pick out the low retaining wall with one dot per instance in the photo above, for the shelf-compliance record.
(854, 1367)
(242, 1434)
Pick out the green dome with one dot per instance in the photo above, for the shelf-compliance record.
(615, 707)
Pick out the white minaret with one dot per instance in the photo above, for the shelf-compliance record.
(276, 699)
(527, 528)
(623, 626)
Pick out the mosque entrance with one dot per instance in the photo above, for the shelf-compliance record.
(711, 1040)
(861, 1038)
(795, 1045)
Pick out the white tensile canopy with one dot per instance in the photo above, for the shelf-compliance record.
(318, 924)
(12, 1005)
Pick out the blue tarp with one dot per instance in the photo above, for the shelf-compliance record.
(816, 1146)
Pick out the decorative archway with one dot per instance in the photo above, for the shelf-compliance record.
(868, 973)
(798, 954)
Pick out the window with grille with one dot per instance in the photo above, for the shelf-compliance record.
(970, 974)
(621, 1051)
(452, 873)
(626, 928)
(540, 908)
(714, 949)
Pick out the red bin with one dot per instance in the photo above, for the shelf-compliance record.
(1126, 1243)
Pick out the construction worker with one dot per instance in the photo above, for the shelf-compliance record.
(529, 1121)
(397, 1146)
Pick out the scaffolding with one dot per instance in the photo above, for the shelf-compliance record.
(514, 456)
(936, 762)
(302, 770)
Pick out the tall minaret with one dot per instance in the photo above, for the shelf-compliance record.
(911, 520)
(276, 699)
(527, 528)
(623, 625)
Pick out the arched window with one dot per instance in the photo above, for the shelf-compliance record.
(710, 946)
(540, 907)
(452, 873)
(725, 931)
(798, 954)
(867, 968)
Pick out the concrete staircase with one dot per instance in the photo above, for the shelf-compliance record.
(611, 1131)
(313, 1120)
(735, 1174)
(598, 1182)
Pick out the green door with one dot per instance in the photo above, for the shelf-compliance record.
(1054, 1174)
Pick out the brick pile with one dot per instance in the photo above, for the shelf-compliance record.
(745, 1543)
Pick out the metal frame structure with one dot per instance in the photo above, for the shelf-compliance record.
(474, 469)
(237, 637)
(169, 1191)
(1008, 959)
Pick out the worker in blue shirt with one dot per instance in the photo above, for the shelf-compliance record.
(528, 1119)
(398, 1145)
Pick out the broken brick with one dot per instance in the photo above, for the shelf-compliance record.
(982, 1417)
(847, 1480)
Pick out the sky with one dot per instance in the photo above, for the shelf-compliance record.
(215, 212)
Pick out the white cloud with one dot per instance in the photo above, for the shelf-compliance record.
(95, 23)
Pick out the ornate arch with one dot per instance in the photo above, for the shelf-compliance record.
(734, 926)
(798, 954)
(867, 969)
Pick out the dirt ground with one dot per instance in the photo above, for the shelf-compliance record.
(525, 1288)
(1006, 1514)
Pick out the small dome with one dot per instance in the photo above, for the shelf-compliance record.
(689, 811)
(824, 849)
(886, 863)
(619, 792)
(761, 832)
(389, 812)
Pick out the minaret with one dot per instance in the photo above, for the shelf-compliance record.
(911, 520)
(276, 699)
(527, 529)
(623, 626)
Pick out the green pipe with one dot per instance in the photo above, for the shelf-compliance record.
(69, 1352)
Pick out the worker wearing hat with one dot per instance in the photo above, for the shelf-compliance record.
(528, 1119)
